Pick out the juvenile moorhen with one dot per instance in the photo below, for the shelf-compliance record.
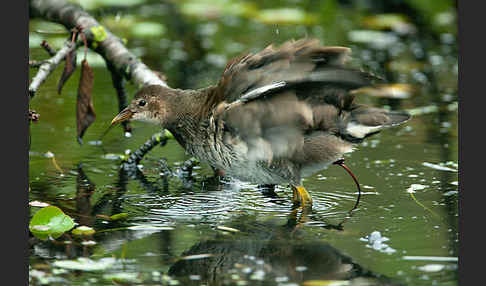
(274, 117)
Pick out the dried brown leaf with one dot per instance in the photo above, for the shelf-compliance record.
(69, 68)
(85, 114)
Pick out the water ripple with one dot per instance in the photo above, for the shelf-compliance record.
(213, 204)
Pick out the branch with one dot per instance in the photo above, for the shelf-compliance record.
(156, 139)
(48, 66)
(122, 64)
(119, 85)
(35, 64)
(99, 38)
(130, 164)
(48, 48)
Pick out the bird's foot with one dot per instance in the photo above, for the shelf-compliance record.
(301, 197)
(268, 190)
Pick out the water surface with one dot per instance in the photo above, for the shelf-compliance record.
(190, 229)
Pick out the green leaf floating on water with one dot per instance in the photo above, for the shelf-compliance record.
(83, 230)
(211, 9)
(119, 216)
(123, 277)
(50, 221)
(86, 264)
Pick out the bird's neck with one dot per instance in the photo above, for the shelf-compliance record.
(186, 115)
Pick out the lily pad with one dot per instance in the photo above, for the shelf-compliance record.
(113, 217)
(396, 22)
(38, 204)
(83, 230)
(119, 216)
(376, 39)
(50, 221)
(416, 187)
(286, 16)
(113, 156)
(123, 277)
(86, 264)
(210, 9)
(326, 283)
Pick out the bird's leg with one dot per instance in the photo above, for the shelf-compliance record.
(301, 196)
(268, 190)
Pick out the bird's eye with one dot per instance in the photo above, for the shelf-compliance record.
(142, 103)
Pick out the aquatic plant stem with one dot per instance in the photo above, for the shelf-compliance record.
(420, 204)
(56, 165)
(340, 162)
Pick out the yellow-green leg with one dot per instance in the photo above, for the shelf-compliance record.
(301, 196)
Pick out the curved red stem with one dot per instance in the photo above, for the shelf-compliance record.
(340, 162)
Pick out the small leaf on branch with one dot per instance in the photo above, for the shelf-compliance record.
(85, 114)
(99, 33)
(69, 67)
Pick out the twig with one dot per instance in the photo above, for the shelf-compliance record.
(136, 157)
(122, 63)
(46, 68)
(99, 38)
(35, 64)
(119, 85)
(48, 48)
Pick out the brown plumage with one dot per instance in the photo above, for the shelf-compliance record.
(274, 116)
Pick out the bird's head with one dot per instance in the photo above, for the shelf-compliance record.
(150, 104)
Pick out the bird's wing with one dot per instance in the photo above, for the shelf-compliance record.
(251, 76)
(272, 99)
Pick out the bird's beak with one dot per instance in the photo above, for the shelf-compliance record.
(125, 114)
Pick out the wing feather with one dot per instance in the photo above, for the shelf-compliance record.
(277, 99)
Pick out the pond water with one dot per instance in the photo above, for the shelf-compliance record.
(183, 227)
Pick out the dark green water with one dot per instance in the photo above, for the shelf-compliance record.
(171, 218)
